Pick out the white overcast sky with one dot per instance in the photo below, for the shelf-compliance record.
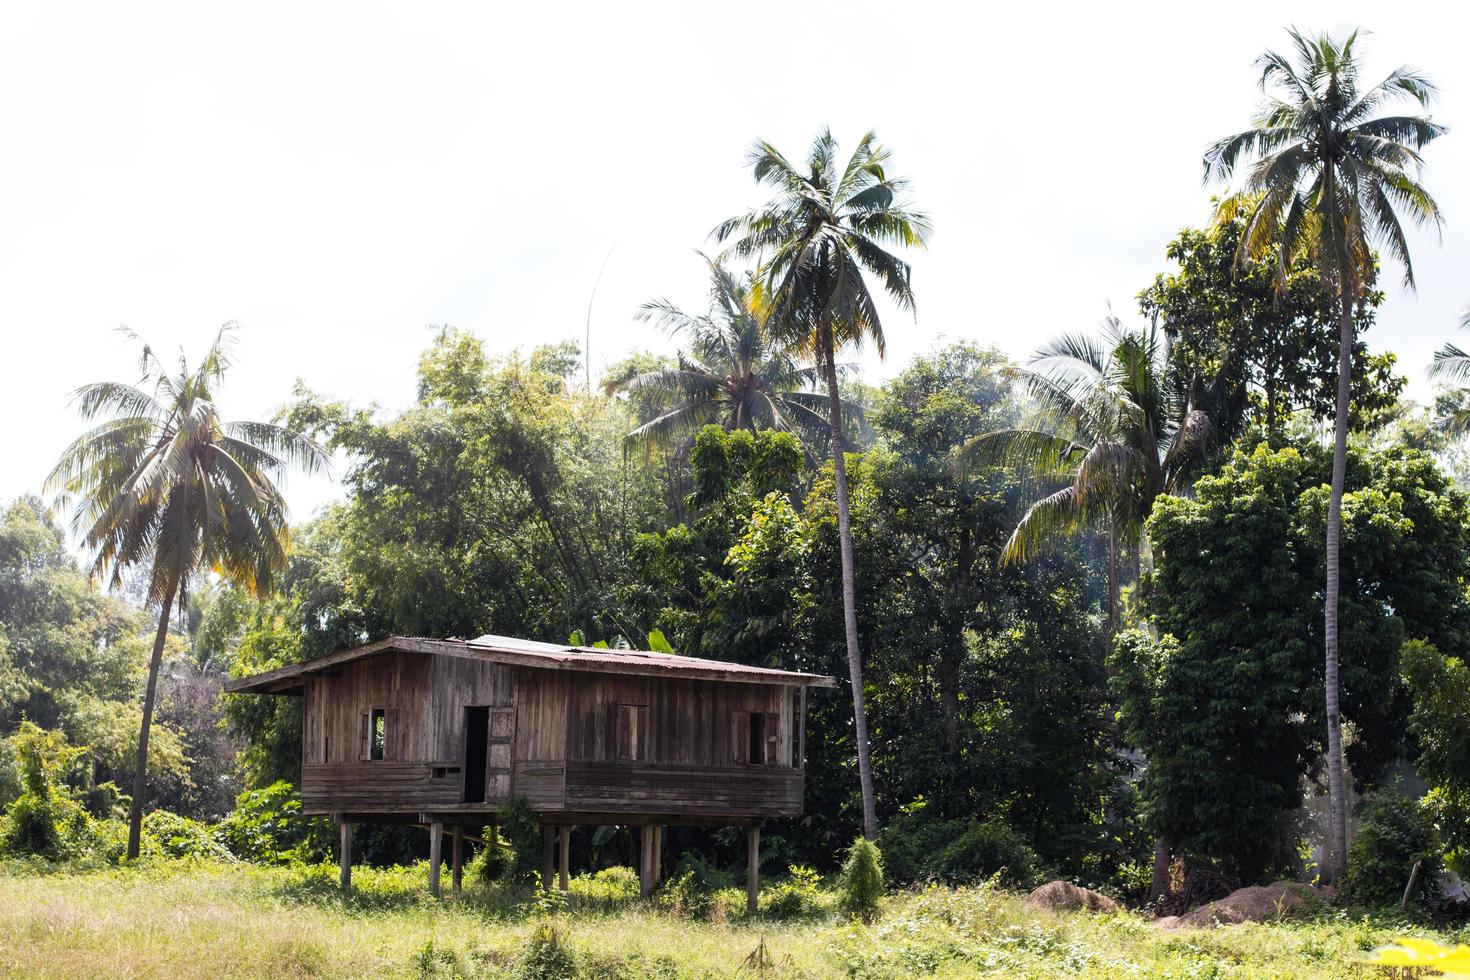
(341, 177)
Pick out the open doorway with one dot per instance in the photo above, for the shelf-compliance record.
(476, 741)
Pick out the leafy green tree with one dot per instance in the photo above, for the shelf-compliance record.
(1226, 703)
(733, 372)
(1440, 727)
(63, 644)
(1274, 338)
(1328, 178)
(501, 501)
(1395, 839)
(163, 479)
(1115, 425)
(818, 239)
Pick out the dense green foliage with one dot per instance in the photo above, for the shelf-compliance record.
(1272, 336)
(1440, 727)
(1224, 704)
(1395, 838)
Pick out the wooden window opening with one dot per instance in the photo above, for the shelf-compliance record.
(631, 735)
(373, 734)
(756, 738)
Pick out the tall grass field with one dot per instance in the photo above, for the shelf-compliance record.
(215, 919)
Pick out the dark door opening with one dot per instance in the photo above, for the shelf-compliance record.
(476, 740)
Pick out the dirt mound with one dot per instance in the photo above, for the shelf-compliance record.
(1258, 903)
(1059, 896)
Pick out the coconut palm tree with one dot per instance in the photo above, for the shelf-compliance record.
(733, 373)
(163, 480)
(1452, 366)
(824, 232)
(1328, 177)
(1113, 427)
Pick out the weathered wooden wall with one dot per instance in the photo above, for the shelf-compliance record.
(689, 722)
(565, 747)
(631, 787)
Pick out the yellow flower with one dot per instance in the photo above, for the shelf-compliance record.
(1423, 953)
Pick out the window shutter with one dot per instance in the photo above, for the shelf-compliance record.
(773, 739)
(630, 732)
(365, 738)
(393, 740)
(740, 736)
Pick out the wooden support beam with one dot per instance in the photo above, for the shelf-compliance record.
(436, 855)
(658, 854)
(344, 855)
(645, 861)
(753, 870)
(548, 852)
(456, 860)
(564, 861)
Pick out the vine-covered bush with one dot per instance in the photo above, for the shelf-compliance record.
(1396, 832)
(860, 888)
(45, 820)
(956, 851)
(798, 897)
(267, 826)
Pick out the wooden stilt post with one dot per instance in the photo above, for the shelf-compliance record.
(658, 854)
(345, 856)
(456, 860)
(436, 854)
(753, 869)
(645, 861)
(548, 855)
(564, 858)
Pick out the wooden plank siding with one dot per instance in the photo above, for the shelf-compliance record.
(555, 740)
(371, 786)
(630, 787)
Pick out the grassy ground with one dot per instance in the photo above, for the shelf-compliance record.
(213, 920)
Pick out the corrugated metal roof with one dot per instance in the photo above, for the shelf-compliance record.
(516, 651)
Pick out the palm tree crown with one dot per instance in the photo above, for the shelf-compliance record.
(732, 373)
(825, 227)
(1328, 176)
(1114, 422)
(164, 477)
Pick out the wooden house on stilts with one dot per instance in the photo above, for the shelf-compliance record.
(444, 733)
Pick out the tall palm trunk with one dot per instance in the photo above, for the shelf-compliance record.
(1335, 847)
(849, 588)
(1114, 589)
(140, 774)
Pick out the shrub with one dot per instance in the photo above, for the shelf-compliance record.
(44, 820)
(546, 956)
(605, 890)
(685, 895)
(955, 851)
(493, 862)
(689, 891)
(1396, 832)
(267, 826)
(798, 897)
(987, 849)
(180, 837)
(522, 832)
(860, 887)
